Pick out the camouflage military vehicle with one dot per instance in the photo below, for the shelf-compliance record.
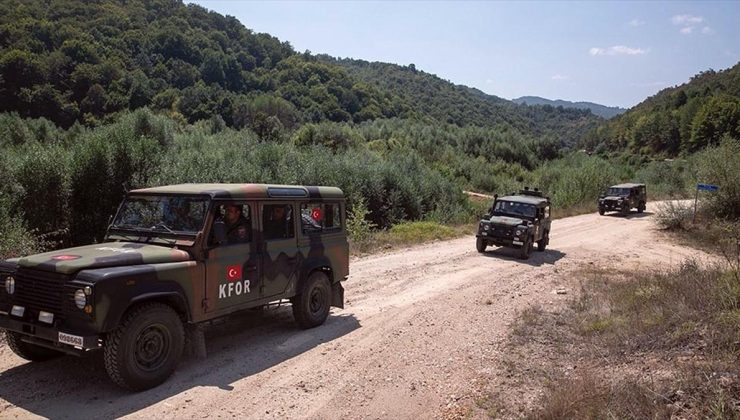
(516, 221)
(623, 198)
(175, 259)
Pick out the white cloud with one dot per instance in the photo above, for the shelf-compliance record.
(489, 81)
(686, 20)
(687, 30)
(559, 77)
(636, 22)
(707, 30)
(617, 50)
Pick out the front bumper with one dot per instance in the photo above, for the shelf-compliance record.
(501, 241)
(614, 205)
(49, 336)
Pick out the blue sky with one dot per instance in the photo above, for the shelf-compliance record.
(612, 53)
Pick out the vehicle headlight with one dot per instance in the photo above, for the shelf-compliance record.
(486, 227)
(519, 232)
(80, 298)
(10, 285)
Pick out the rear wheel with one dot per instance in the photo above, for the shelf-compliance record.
(145, 349)
(29, 351)
(542, 243)
(480, 244)
(311, 307)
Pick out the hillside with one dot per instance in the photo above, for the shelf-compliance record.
(75, 61)
(462, 105)
(677, 120)
(596, 109)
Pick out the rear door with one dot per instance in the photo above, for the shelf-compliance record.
(278, 248)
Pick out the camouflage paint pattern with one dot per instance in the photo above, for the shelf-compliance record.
(200, 281)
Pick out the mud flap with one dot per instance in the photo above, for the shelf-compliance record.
(337, 295)
(195, 344)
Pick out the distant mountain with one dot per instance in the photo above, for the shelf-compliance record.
(600, 110)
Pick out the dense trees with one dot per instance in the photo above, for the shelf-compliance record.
(679, 120)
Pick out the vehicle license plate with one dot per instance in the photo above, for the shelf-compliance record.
(74, 340)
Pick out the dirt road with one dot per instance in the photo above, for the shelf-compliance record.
(420, 325)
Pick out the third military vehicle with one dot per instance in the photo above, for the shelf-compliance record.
(516, 221)
(623, 198)
(177, 258)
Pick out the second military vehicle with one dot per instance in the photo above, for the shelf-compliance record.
(623, 198)
(177, 258)
(516, 221)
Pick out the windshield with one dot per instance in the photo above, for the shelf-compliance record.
(512, 208)
(172, 214)
(618, 191)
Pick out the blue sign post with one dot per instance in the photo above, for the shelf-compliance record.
(702, 187)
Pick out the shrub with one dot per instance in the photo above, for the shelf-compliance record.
(674, 215)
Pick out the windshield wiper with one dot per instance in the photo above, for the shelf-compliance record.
(163, 225)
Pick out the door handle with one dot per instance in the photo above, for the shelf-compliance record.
(251, 268)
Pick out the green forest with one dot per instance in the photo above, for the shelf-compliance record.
(101, 97)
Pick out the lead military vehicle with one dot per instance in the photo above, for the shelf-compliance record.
(623, 198)
(177, 258)
(516, 221)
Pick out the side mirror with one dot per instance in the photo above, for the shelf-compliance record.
(486, 216)
(219, 232)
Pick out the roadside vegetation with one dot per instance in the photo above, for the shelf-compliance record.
(650, 343)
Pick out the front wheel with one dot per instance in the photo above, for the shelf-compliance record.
(601, 211)
(29, 351)
(542, 243)
(480, 244)
(311, 307)
(526, 249)
(641, 208)
(145, 349)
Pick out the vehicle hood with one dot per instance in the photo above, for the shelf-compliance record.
(110, 254)
(506, 220)
(614, 197)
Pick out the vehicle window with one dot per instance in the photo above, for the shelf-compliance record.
(277, 221)
(512, 208)
(237, 218)
(618, 191)
(162, 213)
(318, 217)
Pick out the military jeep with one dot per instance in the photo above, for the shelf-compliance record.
(623, 198)
(516, 221)
(175, 259)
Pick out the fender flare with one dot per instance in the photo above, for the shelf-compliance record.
(172, 297)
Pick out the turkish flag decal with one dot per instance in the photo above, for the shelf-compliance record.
(234, 272)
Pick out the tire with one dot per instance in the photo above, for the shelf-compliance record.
(641, 207)
(311, 307)
(480, 244)
(526, 249)
(601, 211)
(625, 211)
(145, 349)
(29, 351)
(542, 243)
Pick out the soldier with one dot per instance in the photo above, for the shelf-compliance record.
(237, 226)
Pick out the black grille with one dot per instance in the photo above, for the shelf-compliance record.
(502, 231)
(41, 291)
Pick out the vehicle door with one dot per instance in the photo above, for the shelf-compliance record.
(232, 266)
(278, 248)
